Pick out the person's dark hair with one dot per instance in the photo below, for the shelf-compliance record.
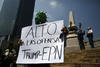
(10, 45)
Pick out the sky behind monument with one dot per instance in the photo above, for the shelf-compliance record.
(85, 11)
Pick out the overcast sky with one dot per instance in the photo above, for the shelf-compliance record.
(85, 11)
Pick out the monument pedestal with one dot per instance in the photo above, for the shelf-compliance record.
(72, 42)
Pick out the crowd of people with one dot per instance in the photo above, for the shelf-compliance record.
(89, 35)
(81, 34)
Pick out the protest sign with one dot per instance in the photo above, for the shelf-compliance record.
(41, 44)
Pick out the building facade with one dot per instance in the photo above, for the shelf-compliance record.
(14, 15)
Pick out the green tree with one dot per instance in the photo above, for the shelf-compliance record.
(40, 18)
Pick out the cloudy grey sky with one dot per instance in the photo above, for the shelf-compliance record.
(85, 11)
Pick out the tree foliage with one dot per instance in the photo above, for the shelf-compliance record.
(40, 18)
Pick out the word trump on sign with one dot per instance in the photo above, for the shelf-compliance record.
(41, 44)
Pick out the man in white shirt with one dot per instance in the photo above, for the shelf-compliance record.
(90, 37)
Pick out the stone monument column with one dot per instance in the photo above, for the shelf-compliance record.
(72, 37)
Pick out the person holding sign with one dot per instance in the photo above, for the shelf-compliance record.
(20, 43)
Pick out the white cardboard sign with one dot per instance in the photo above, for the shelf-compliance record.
(41, 44)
